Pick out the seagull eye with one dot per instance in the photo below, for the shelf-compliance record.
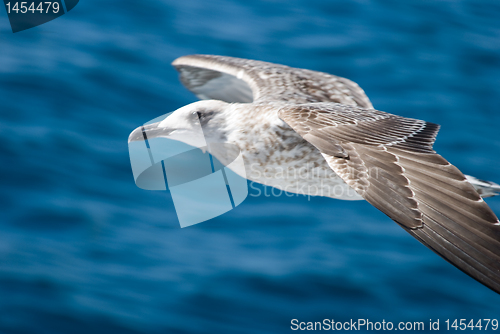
(205, 116)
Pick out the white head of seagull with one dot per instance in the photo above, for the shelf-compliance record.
(188, 118)
(194, 124)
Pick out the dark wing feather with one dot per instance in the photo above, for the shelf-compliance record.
(242, 80)
(389, 161)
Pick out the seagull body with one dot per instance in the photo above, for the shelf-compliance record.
(317, 134)
(274, 154)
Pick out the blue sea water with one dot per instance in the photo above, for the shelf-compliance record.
(83, 250)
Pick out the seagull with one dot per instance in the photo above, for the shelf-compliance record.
(318, 134)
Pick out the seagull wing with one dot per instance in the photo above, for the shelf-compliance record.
(241, 80)
(390, 162)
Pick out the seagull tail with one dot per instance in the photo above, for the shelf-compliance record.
(484, 188)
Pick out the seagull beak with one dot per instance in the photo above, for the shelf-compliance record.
(148, 131)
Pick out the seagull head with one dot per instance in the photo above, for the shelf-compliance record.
(197, 121)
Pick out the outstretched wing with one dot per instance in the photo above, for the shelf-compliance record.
(241, 80)
(389, 161)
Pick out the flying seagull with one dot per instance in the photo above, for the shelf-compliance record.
(283, 119)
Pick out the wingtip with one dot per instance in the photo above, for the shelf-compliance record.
(186, 60)
(180, 60)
